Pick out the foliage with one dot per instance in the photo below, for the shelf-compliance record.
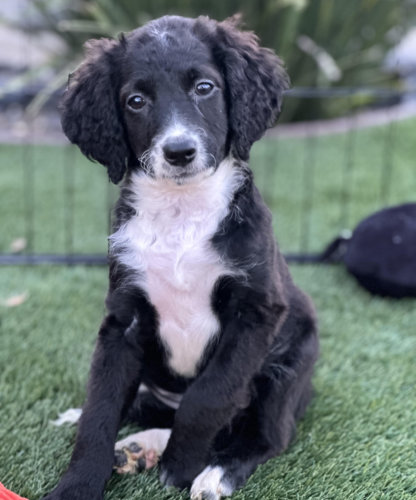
(323, 42)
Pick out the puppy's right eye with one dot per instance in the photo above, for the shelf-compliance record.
(136, 102)
(204, 88)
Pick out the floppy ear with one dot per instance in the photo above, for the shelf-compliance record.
(90, 112)
(255, 80)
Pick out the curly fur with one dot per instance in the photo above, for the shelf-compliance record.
(90, 112)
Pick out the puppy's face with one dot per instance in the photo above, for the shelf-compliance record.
(173, 105)
(173, 98)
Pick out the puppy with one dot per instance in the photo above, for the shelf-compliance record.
(207, 340)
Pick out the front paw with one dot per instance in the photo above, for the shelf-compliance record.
(179, 473)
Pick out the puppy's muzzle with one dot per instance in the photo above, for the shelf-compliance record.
(180, 151)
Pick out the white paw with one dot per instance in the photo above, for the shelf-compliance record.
(211, 485)
(140, 451)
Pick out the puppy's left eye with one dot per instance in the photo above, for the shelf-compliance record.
(204, 88)
(136, 102)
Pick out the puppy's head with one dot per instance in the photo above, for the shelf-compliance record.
(173, 98)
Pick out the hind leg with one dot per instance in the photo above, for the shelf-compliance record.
(263, 431)
(147, 411)
(140, 451)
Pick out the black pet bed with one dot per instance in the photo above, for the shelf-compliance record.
(381, 252)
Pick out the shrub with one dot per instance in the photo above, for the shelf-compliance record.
(324, 43)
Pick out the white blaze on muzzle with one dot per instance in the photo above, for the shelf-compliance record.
(178, 152)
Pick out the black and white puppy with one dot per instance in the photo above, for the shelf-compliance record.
(207, 340)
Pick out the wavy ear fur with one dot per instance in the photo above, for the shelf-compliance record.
(255, 79)
(90, 116)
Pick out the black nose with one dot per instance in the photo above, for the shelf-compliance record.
(179, 151)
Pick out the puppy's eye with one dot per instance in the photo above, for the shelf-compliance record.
(204, 88)
(136, 102)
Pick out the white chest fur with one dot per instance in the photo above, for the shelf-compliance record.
(168, 247)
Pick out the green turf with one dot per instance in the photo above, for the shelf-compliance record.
(315, 187)
(357, 440)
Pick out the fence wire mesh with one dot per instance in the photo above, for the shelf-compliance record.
(318, 178)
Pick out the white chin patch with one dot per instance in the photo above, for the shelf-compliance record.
(196, 170)
(211, 485)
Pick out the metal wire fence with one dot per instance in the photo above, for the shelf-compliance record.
(318, 178)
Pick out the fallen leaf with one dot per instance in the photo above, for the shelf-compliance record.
(70, 416)
(16, 300)
(18, 245)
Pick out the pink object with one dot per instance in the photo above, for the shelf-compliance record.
(6, 494)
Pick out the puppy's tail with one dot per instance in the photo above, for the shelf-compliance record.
(336, 249)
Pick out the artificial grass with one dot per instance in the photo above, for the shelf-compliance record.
(355, 442)
(357, 439)
(314, 186)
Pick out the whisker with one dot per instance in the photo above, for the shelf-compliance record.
(201, 131)
(144, 160)
(215, 160)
